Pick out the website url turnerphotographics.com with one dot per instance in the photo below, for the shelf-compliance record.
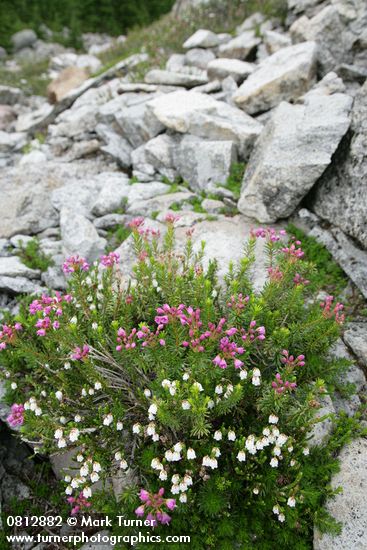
(143, 536)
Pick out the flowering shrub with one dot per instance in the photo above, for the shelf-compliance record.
(199, 397)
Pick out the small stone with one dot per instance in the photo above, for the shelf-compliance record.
(274, 41)
(198, 57)
(160, 76)
(202, 38)
(221, 68)
(213, 206)
(13, 267)
(356, 337)
(23, 39)
(240, 47)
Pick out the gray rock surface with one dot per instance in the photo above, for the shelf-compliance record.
(293, 151)
(221, 68)
(10, 95)
(240, 47)
(202, 38)
(204, 163)
(285, 75)
(341, 195)
(79, 236)
(197, 57)
(160, 76)
(13, 267)
(356, 338)
(203, 116)
(349, 506)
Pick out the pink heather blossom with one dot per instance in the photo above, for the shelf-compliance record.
(154, 506)
(16, 417)
(171, 218)
(280, 386)
(268, 233)
(328, 312)
(78, 503)
(275, 274)
(8, 333)
(238, 302)
(74, 264)
(135, 223)
(80, 353)
(253, 333)
(125, 340)
(110, 260)
(290, 362)
(299, 280)
(293, 252)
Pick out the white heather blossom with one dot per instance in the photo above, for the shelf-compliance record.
(38, 411)
(219, 390)
(73, 320)
(62, 420)
(156, 464)
(67, 479)
(266, 432)
(292, 462)
(97, 467)
(175, 479)
(151, 429)
(13, 385)
(84, 392)
(147, 393)
(185, 405)
(166, 383)
(255, 490)
(176, 456)
(291, 502)
(163, 475)
(97, 386)
(43, 393)
(136, 429)
(123, 465)
(185, 376)
(191, 454)
(241, 457)
(91, 391)
(275, 431)
(94, 326)
(119, 426)
(74, 434)
(175, 489)
(77, 418)
(290, 449)
(108, 419)
(61, 443)
(217, 435)
(273, 419)
(87, 492)
(84, 470)
(188, 480)
(306, 451)
(281, 440)
(210, 462)
(153, 409)
(75, 483)
(277, 451)
(243, 374)
(216, 452)
(276, 510)
(58, 395)
(67, 365)
(198, 386)
(94, 477)
(118, 455)
(155, 437)
(80, 458)
(281, 518)
(183, 498)
(177, 447)
(69, 490)
(274, 462)
(183, 487)
(211, 404)
(256, 380)
(231, 435)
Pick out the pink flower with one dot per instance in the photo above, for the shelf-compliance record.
(171, 218)
(135, 223)
(143, 495)
(80, 353)
(16, 417)
(140, 511)
(110, 260)
(171, 503)
(75, 263)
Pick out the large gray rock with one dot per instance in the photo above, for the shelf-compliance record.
(204, 163)
(115, 189)
(19, 285)
(240, 47)
(274, 41)
(23, 39)
(115, 146)
(203, 116)
(156, 157)
(156, 204)
(133, 120)
(341, 195)
(293, 151)
(285, 75)
(79, 236)
(221, 68)
(168, 78)
(349, 506)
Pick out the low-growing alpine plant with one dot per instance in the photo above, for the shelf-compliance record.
(198, 397)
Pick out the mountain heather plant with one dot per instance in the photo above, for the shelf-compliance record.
(198, 397)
